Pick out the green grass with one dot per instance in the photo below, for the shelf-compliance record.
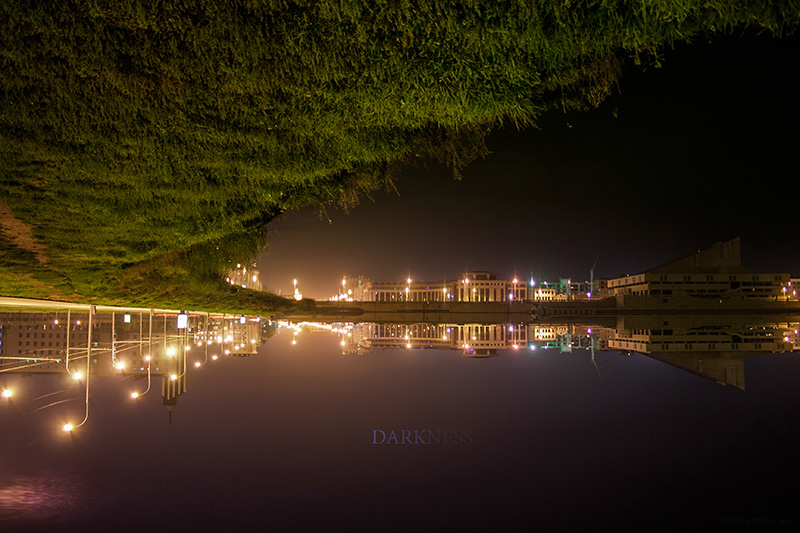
(130, 133)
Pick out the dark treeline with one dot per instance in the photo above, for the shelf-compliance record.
(133, 130)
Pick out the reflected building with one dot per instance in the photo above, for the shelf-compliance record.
(234, 334)
(707, 345)
(40, 337)
(714, 347)
(134, 345)
(473, 340)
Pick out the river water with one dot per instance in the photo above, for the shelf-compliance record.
(394, 427)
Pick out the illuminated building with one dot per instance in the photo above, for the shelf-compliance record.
(477, 286)
(713, 274)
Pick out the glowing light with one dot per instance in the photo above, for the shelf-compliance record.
(120, 365)
(67, 427)
(170, 352)
(173, 377)
(134, 395)
(147, 358)
(7, 393)
(213, 357)
(77, 376)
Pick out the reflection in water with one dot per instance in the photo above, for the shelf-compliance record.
(299, 425)
(145, 345)
(83, 346)
(711, 346)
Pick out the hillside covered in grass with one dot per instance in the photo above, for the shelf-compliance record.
(146, 145)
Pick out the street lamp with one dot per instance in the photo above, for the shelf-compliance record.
(134, 394)
(69, 427)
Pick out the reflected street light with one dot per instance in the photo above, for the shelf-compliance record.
(68, 426)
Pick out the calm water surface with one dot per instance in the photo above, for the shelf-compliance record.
(323, 430)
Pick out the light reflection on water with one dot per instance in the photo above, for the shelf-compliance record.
(38, 499)
(287, 416)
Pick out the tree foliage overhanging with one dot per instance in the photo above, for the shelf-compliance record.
(130, 130)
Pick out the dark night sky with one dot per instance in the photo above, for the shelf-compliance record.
(701, 150)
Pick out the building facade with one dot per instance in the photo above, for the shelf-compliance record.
(477, 286)
(715, 273)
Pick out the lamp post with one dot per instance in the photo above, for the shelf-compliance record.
(69, 427)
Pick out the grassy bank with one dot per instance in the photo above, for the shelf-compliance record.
(133, 137)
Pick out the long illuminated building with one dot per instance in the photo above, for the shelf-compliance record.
(478, 286)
